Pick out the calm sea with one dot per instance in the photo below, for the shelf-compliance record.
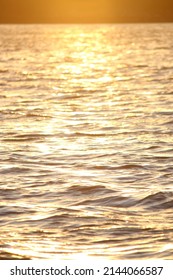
(86, 141)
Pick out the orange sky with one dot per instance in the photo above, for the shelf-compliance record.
(62, 11)
(92, 10)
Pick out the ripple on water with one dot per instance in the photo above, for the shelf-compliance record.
(86, 141)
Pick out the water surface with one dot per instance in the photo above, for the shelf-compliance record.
(86, 131)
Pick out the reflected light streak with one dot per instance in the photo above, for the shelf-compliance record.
(166, 247)
(77, 124)
(43, 148)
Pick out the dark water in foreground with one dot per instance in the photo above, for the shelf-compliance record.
(86, 131)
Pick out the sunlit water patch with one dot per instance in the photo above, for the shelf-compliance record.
(86, 149)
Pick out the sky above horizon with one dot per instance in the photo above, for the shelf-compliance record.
(72, 11)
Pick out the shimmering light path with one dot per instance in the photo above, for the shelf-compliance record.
(86, 149)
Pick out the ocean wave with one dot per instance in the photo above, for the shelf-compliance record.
(157, 201)
(86, 145)
(5, 255)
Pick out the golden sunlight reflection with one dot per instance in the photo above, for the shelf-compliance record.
(166, 247)
(43, 148)
(86, 133)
